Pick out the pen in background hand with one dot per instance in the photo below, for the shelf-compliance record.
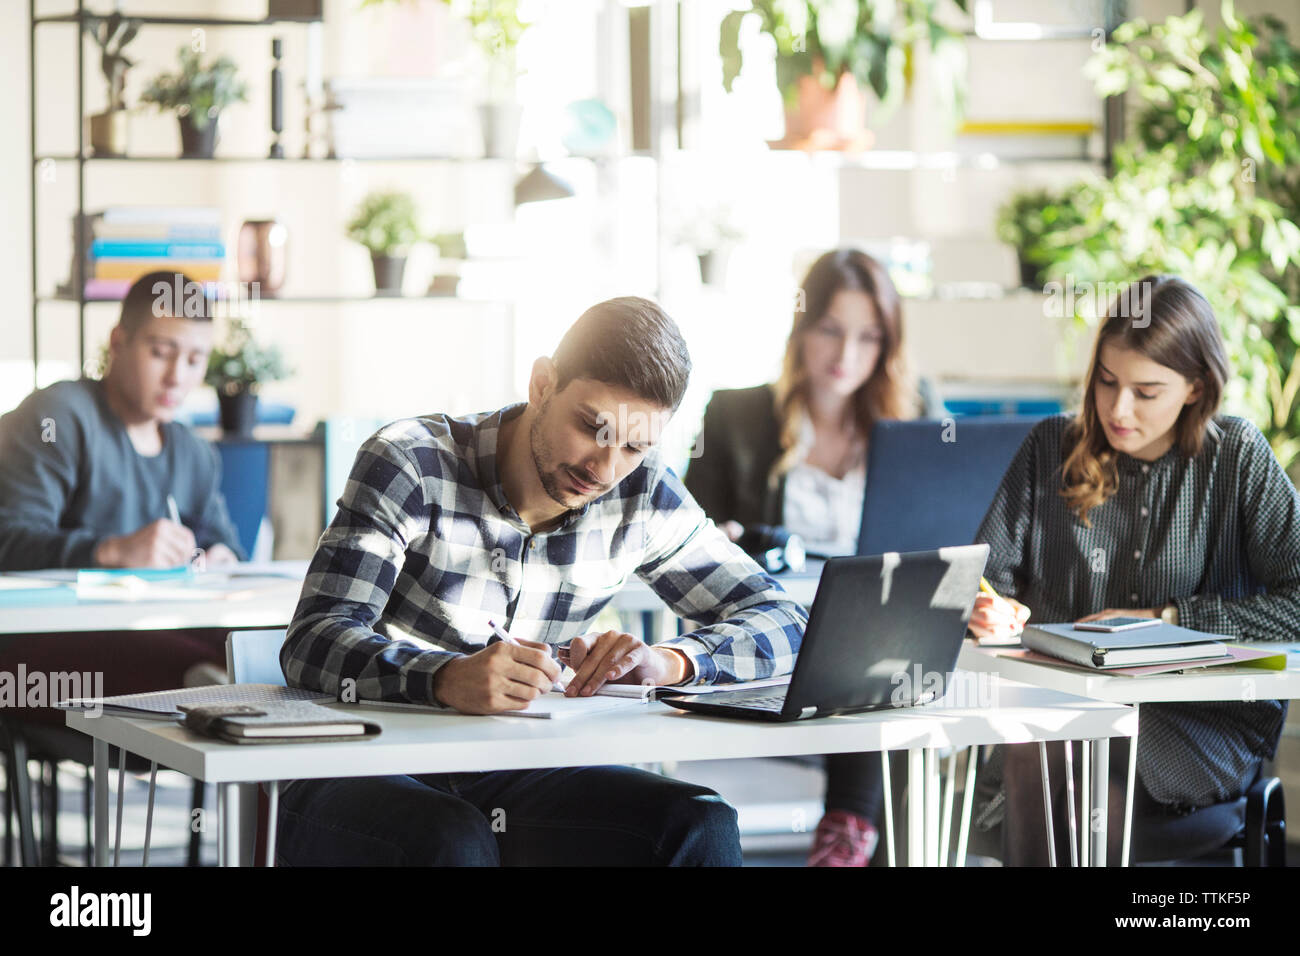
(172, 511)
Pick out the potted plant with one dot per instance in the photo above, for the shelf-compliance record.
(112, 33)
(198, 94)
(495, 28)
(451, 253)
(387, 224)
(710, 231)
(237, 369)
(1033, 222)
(829, 52)
(1205, 187)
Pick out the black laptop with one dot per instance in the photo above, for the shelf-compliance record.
(880, 631)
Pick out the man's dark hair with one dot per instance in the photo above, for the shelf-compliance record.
(629, 342)
(164, 293)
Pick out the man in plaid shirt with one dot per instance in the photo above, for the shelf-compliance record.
(533, 516)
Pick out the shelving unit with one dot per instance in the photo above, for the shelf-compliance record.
(78, 20)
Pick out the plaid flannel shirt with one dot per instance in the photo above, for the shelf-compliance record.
(425, 548)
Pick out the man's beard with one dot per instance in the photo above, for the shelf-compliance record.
(540, 449)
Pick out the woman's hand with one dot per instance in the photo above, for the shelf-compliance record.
(732, 529)
(997, 620)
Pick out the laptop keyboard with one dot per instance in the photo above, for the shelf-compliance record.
(756, 699)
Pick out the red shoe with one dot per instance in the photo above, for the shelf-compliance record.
(843, 839)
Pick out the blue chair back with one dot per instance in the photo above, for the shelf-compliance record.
(253, 657)
(930, 481)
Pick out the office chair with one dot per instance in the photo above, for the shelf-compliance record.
(253, 657)
(1254, 823)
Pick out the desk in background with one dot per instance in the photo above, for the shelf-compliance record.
(1200, 684)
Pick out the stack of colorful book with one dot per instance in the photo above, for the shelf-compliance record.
(130, 241)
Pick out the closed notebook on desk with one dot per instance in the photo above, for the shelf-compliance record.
(1162, 644)
(288, 722)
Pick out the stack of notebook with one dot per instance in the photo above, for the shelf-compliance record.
(1158, 644)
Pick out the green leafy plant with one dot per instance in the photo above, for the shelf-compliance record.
(240, 364)
(198, 92)
(450, 245)
(386, 222)
(1035, 222)
(1206, 188)
(494, 24)
(112, 33)
(871, 39)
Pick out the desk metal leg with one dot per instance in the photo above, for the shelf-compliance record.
(1128, 798)
(236, 823)
(1100, 799)
(945, 815)
(227, 826)
(1069, 803)
(1085, 791)
(121, 781)
(101, 802)
(915, 808)
(889, 807)
(931, 807)
(967, 804)
(272, 808)
(1047, 803)
(148, 818)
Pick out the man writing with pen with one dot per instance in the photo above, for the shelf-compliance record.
(96, 473)
(532, 517)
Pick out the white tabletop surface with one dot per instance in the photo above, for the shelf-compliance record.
(239, 602)
(432, 743)
(249, 601)
(1225, 682)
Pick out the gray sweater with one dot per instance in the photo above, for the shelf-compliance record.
(70, 477)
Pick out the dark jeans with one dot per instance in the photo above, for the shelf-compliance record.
(855, 784)
(574, 816)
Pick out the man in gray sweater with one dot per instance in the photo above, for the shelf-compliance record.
(86, 471)
(87, 467)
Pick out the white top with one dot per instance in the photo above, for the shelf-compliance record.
(824, 510)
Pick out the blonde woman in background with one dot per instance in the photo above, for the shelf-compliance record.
(793, 454)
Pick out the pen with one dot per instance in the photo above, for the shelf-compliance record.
(172, 511)
(565, 676)
(502, 633)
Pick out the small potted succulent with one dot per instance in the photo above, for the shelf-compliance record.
(451, 253)
(237, 369)
(198, 94)
(387, 224)
(112, 33)
(711, 232)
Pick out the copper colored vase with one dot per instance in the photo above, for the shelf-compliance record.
(263, 248)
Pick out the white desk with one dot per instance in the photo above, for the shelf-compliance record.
(416, 743)
(262, 602)
(1198, 684)
(220, 601)
(637, 596)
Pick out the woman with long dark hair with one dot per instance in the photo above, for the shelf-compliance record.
(1148, 503)
(793, 454)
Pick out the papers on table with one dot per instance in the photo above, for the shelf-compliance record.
(69, 585)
